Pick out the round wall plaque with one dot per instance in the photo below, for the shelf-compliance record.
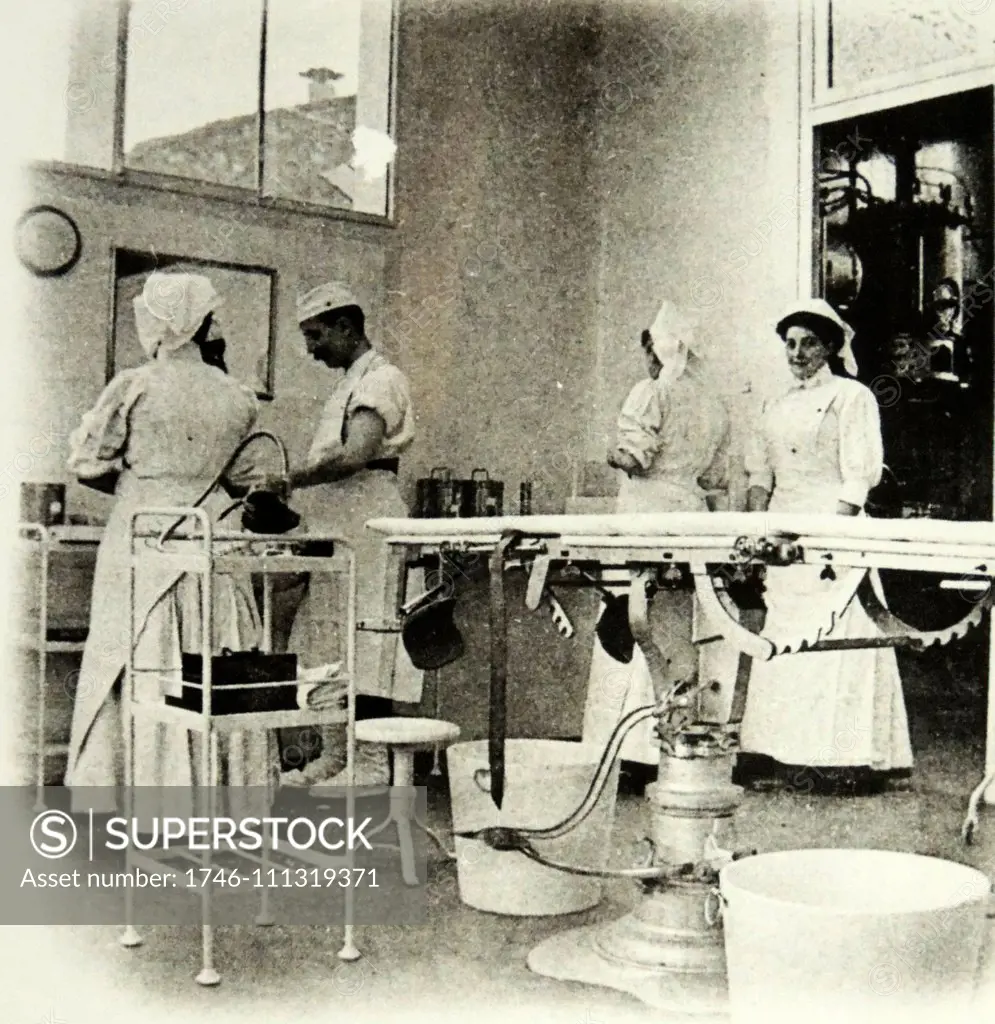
(47, 241)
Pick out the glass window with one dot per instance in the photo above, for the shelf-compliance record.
(327, 75)
(887, 37)
(197, 76)
(45, 47)
(191, 100)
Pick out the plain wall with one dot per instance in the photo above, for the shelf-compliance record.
(696, 163)
(494, 289)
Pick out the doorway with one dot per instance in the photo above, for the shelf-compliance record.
(903, 249)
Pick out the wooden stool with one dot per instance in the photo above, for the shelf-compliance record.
(405, 737)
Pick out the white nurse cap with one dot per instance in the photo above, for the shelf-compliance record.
(672, 338)
(332, 295)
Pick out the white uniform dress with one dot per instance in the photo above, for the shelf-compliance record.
(679, 434)
(383, 668)
(168, 428)
(817, 445)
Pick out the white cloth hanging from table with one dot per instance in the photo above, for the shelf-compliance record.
(679, 433)
(817, 445)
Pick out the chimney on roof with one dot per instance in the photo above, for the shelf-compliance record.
(323, 84)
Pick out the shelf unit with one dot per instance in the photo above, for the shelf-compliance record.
(48, 542)
(203, 551)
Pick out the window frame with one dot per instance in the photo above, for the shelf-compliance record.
(256, 197)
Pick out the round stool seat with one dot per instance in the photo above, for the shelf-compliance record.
(412, 733)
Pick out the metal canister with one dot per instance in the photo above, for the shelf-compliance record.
(525, 498)
(484, 497)
(436, 495)
(44, 504)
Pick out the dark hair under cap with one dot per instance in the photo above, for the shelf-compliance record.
(830, 333)
(354, 314)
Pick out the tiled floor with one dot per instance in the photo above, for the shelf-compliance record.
(462, 965)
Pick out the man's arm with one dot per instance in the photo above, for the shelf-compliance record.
(364, 437)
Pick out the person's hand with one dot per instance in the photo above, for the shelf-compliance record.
(624, 461)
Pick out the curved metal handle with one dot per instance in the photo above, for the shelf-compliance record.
(473, 475)
(243, 444)
(714, 902)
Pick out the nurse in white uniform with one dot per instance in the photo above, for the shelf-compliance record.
(348, 478)
(673, 432)
(818, 450)
(158, 436)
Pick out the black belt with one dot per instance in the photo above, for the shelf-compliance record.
(386, 465)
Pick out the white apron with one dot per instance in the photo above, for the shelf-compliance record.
(823, 708)
(615, 689)
(383, 668)
(167, 621)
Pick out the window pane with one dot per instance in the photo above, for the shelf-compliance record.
(327, 74)
(874, 39)
(192, 89)
(44, 39)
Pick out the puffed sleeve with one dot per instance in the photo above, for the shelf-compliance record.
(861, 447)
(259, 454)
(97, 446)
(639, 423)
(385, 391)
(758, 464)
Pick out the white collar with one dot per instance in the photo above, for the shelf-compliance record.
(360, 366)
(819, 379)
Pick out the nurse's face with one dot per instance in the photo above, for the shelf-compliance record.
(329, 345)
(807, 353)
(653, 365)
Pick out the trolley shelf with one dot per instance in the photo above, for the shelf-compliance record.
(234, 562)
(34, 634)
(209, 555)
(197, 721)
(30, 642)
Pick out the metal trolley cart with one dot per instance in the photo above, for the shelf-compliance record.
(42, 544)
(204, 553)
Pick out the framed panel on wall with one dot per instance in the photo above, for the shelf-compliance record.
(861, 48)
(245, 316)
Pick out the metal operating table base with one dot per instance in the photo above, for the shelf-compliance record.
(669, 951)
(578, 956)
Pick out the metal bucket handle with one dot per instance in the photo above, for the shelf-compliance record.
(473, 475)
(714, 902)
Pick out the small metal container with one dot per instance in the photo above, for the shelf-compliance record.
(482, 496)
(439, 496)
(43, 504)
(525, 498)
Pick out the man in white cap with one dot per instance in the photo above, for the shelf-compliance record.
(348, 478)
